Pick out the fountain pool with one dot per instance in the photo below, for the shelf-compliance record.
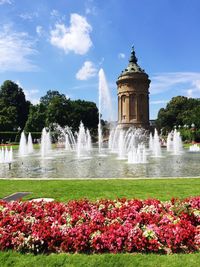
(65, 164)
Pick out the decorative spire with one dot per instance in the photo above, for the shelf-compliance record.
(133, 66)
(133, 58)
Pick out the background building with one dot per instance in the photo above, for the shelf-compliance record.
(133, 95)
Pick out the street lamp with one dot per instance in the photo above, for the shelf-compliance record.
(193, 131)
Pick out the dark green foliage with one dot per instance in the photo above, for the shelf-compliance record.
(50, 95)
(54, 107)
(84, 111)
(36, 119)
(64, 111)
(179, 111)
(8, 136)
(58, 111)
(14, 108)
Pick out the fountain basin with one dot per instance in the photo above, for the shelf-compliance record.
(64, 164)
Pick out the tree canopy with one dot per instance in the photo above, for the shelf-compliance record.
(179, 111)
(14, 107)
(54, 107)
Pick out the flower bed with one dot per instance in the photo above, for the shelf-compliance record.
(102, 226)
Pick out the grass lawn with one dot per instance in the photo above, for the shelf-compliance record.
(96, 189)
(163, 189)
(15, 259)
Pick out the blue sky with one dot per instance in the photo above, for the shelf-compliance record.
(61, 45)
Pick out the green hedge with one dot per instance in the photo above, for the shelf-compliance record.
(10, 137)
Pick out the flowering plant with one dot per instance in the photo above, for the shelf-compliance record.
(103, 226)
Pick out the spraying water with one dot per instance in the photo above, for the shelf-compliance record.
(156, 144)
(177, 143)
(6, 155)
(194, 148)
(84, 144)
(137, 155)
(170, 142)
(105, 104)
(45, 143)
(174, 143)
(23, 150)
(30, 144)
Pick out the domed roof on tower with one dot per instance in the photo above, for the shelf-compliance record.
(133, 66)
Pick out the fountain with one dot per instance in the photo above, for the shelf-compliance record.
(174, 143)
(177, 143)
(45, 143)
(23, 150)
(137, 155)
(67, 143)
(30, 144)
(104, 103)
(125, 145)
(6, 155)
(170, 145)
(194, 148)
(128, 144)
(150, 142)
(84, 144)
(25, 147)
(154, 145)
(121, 145)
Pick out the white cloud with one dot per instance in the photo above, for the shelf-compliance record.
(121, 55)
(2, 2)
(90, 8)
(75, 38)
(32, 96)
(87, 71)
(186, 83)
(39, 30)
(29, 16)
(16, 48)
(54, 13)
(194, 91)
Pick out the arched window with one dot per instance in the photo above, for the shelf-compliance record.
(142, 106)
(123, 107)
(132, 106)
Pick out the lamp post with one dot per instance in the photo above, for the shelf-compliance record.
(193, 132)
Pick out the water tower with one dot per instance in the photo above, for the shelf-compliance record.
(133, 95)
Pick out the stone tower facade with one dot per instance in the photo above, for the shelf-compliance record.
(133, 96)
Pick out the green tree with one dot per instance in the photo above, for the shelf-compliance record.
(49, 96)
(179, 111)
(36, 119)
(13, 105)
(58, 111)
(84, 111)
(56, 108)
